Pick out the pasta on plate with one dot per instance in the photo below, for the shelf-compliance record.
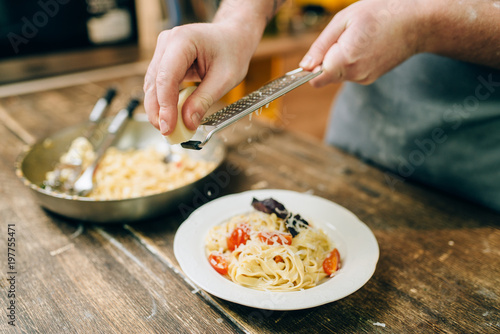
(271, 249)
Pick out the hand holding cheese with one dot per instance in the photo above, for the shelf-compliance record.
(197, 53)
(181, 133)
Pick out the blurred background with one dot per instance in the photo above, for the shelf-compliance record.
(52, 38)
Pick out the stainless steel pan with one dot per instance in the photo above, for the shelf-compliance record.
(37, 160)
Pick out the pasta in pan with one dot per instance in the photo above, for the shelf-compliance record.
(258, 250)
(131, 173)
(143, 172)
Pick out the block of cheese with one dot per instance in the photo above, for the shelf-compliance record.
(181, 133)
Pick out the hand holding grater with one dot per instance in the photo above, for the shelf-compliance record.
(248, 104)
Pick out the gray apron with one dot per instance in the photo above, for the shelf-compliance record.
(432, 119)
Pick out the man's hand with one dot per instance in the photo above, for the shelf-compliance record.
(370, 37)
(213, 53)
(364, 41)
(217, 54)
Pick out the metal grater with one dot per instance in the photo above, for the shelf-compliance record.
(248, 104)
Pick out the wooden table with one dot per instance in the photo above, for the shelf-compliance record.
(439, 267)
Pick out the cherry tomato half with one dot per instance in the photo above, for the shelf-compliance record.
(218, 262)
(276, 237)
(332, 262)
(239, 236)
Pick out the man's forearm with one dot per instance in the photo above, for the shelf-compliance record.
(256, 12)
(251, 16)
(467, 30)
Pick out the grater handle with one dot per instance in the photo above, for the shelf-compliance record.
(250, 103)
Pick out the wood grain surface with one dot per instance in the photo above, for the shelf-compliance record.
(438, 272)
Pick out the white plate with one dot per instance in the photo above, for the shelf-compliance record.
(357, 246)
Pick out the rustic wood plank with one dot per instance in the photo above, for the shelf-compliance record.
(118, 73)
(46, 112)
(89, 279)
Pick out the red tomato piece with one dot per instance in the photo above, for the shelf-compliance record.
(278, 259)
(239, 236)
(218, 262)
(272, 238)
(332, 262)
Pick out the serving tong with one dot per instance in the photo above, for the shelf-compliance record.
(248, 104)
